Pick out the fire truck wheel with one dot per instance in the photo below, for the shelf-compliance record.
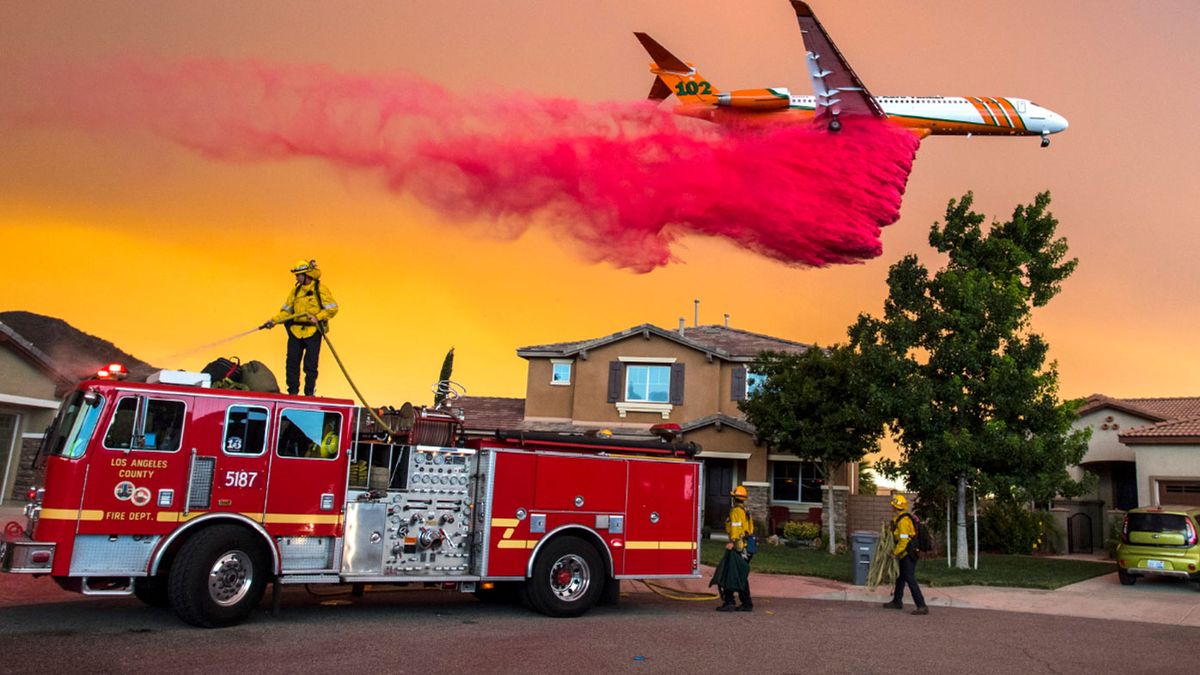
(152, 590)
(218, 577)
(568, 577)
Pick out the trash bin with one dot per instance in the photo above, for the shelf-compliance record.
(862, 552)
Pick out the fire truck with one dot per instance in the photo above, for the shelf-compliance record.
(196, 498)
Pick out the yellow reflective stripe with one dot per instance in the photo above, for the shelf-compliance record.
(509, 533)
(302, 519)
(505, 522)
(660, 545)
(516, 543)
(71, 514)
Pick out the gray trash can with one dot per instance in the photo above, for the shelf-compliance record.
(862, 552)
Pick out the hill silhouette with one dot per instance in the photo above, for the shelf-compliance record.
(73, 352)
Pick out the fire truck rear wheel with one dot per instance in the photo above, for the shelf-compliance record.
(568, 577)
(218, 576)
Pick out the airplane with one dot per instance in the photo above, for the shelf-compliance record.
(839, 96)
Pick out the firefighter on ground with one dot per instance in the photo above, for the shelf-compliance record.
(738, 526)
(306, 313)
(904, 531)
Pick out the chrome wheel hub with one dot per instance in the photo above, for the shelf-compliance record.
(230, 578)
(570, 577)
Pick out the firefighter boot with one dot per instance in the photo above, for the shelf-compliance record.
(893, 605)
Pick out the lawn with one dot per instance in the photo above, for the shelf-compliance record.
(1018, 571)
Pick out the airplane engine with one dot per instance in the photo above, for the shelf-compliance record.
(755, 99)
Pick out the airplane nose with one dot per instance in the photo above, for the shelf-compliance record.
(1059, 123)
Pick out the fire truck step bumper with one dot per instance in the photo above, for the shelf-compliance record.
(25, 556)
(107, 586)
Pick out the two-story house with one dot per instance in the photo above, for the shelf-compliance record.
(694, 377)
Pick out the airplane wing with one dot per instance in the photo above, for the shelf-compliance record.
(837, 89)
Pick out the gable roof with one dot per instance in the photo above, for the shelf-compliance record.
(1171, 431)
(720, 420)
(32, 354)
(1153, 409)
(729, 344)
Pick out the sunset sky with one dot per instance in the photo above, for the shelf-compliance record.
(161, 248)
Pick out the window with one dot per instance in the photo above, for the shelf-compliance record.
(314, 434)
(74, 426)
(245, 430)
(560, 373)
(648, 384)
(796, 482)
(141, 423)
(754, 382)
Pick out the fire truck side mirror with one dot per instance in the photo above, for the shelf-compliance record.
(91, 398)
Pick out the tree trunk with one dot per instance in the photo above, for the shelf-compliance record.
(961, 556)
(830, 519)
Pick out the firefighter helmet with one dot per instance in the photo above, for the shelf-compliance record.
(739, 493)
(304, 266)
(899, 502)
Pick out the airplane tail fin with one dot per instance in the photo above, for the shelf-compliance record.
(673, 76)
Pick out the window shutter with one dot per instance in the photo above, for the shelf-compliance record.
(614, 381)
(737, 390)
(676, 384)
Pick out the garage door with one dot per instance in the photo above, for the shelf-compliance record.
(1179, 493)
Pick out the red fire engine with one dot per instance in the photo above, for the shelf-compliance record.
(196, 498)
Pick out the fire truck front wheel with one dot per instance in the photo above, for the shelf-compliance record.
(218, 576)
(568, 577)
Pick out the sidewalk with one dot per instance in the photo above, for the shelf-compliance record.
(1150, 600)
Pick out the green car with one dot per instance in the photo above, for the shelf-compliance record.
(1160, 540)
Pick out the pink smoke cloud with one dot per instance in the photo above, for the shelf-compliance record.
(620, 181)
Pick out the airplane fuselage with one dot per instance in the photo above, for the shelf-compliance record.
(924, 115)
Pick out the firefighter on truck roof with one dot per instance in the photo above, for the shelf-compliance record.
(306, 313)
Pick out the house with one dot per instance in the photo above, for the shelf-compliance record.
(628, 381)
(29, 388)
(1143, 452)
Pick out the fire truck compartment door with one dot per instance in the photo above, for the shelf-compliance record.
(366, 525)
(580, 484)
(661, 527)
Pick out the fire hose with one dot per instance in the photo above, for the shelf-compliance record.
(362, 399)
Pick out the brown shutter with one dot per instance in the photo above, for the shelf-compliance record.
(676, 384)
(737, 390)
(614, 381)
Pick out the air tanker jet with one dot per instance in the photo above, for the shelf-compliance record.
(839, 97)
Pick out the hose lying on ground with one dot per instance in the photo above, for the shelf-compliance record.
(679, 594)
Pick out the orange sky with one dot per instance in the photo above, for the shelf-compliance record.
(159, 249)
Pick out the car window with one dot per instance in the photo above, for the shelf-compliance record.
(1158, 522)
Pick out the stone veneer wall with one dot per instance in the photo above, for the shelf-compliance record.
(841, 494)
(757, 504)
(26, 475)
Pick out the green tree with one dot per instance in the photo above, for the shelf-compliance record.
(968, 386)
(443, 386)
(819, 405)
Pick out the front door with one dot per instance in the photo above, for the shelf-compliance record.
(8, 451)
(307, 482)
(718, 481)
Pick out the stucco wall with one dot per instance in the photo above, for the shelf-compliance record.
(1104, 445)
(20, 378)
(546, 400)
(1164, 462)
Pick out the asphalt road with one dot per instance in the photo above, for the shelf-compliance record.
(443, 632)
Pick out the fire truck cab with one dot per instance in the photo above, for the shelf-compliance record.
(196, 498)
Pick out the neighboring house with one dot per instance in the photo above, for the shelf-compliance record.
(1144, 451)
(29, 389)
(693, 377)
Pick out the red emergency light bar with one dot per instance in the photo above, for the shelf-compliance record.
(113, 371)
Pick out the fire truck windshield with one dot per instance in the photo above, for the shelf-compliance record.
(74, 426)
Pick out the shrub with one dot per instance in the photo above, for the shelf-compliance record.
(1010, 527)
(804, 531)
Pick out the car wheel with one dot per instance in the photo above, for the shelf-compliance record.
(568, 577)
(1126, 578)
(218, 577)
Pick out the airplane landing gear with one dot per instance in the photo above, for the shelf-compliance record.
(1045, 140)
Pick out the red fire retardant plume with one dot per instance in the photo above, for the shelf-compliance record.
(621, 181)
